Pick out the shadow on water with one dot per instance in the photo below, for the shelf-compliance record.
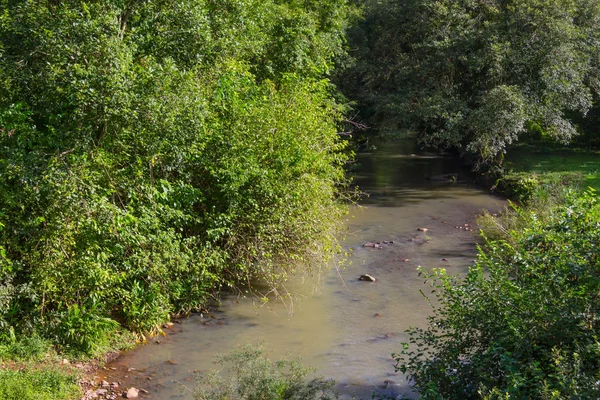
(344, 327)
(398, 175)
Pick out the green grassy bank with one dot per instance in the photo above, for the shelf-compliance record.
(547, 168)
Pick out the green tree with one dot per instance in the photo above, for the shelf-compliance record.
(474, 75)
(523, 323)
(154, 152)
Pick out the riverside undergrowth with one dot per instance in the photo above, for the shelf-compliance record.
(523, 322)
(152, 154)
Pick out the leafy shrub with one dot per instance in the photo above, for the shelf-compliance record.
(154, 153)
(523, 322)
(255, 377)
(524, 187)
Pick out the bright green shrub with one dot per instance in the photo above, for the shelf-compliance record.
(523, 322)
(153, 153)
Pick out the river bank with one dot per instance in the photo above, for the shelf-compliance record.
(344, 327)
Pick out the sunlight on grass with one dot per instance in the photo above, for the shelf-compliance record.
(547, 159)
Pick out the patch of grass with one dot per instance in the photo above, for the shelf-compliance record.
(38, 384)
(27, 348)
(544, 158)
(31, 368)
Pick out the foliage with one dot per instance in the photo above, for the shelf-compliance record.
(42, 384)
(154, 152)
(476, 75)
(540, 158)
(29, 348)
(255, 377)
(527, 187)
(523, 323)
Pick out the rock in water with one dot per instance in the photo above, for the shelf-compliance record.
(132, 393)
(367, 278)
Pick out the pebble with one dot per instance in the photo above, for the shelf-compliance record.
(132, 393)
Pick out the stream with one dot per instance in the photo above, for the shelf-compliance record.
(344, 327)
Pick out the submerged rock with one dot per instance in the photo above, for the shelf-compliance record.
(450, 177)
(367, 278)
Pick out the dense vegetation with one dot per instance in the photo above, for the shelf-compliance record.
(524, 322)
(475, 76)
(153, 152)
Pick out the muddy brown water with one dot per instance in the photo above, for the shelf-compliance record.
(345, 328)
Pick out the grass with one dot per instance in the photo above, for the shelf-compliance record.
(546, 158)
(31, 368)
(31, 383)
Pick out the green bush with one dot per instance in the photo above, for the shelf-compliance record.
(523, 322)
(154, 153)
(253, 376)
(525, 186)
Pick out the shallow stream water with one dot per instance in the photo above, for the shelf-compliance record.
(344, 327)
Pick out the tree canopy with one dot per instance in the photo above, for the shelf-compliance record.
(475, 75)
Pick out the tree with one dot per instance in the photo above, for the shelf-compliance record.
(474, 75)
(154, 152)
